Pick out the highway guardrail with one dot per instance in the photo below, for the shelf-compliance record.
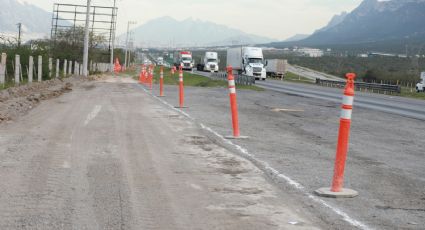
(372, 87)
(239, 79)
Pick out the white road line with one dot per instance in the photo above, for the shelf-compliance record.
(264, 166)
(92, 115)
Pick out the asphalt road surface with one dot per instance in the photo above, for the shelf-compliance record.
(293, 138)
(110, 156)
(407, 107)
(311, 74)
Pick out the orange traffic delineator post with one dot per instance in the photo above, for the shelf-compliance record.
(173, 70)
(181, 89)
(151, 78)
(144, 74)
(161, 82)
(233, 105)
(337, 190)
(117, 66)
(141, 75)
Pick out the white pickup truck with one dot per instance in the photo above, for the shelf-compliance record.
(420, 87)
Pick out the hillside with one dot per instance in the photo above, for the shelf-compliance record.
(35, 21)
(374, 25)
(166, 31)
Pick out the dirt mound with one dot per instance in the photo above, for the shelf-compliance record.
(18, 100)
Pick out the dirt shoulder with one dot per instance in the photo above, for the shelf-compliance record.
(17, 101)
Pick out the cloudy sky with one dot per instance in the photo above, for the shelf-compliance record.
(277, 19)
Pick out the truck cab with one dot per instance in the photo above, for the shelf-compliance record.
(209, 62)
(160, 61)
(254, 63)
(185, 60)
(420, 87)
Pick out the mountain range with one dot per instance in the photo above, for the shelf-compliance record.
(167, 31)
(36, 22)
(372, 22)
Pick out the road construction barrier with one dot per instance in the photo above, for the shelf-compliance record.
(372, 87)
(240, 79)
(141, 74)
(337, 190)
(181, 88)
(151, 77)
(161, 82)
(233, 102)
(117, 66)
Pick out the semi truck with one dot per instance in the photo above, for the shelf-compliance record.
(209, 62)
(276, 68)
(248, 61)
(420, 87)
(160, 61)
(184, 59)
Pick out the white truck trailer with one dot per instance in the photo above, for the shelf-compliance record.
(248, 61)
(420, 87)
(276, 68)
(209, 62)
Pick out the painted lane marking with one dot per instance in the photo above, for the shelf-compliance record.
(93, 114)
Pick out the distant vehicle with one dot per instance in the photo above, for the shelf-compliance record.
(160, 61)
(248, 61)
(420, 87)
(185, 60)
(209, 62)
(276, 68)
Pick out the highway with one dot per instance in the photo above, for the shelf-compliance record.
(294, 132)
(406, 107)
(311, 74)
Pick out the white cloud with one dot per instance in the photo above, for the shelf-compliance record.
(272, 18)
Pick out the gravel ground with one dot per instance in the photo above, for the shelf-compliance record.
(297, 136)
(17, 101)
(109, 156)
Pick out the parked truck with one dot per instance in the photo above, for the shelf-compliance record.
(420, 87)
(209, 62)
(248, 61)
(184, 59)
(276, 68)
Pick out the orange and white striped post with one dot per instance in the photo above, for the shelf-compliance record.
(337, 190)
(161, 82)
(145, 74)
(173, 70)
(181, 88)
(141, 75)
(233, 105)
(151, 77)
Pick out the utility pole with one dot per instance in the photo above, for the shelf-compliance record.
(19, 34)
(86, 41)
(126, 43)
(113, 37)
